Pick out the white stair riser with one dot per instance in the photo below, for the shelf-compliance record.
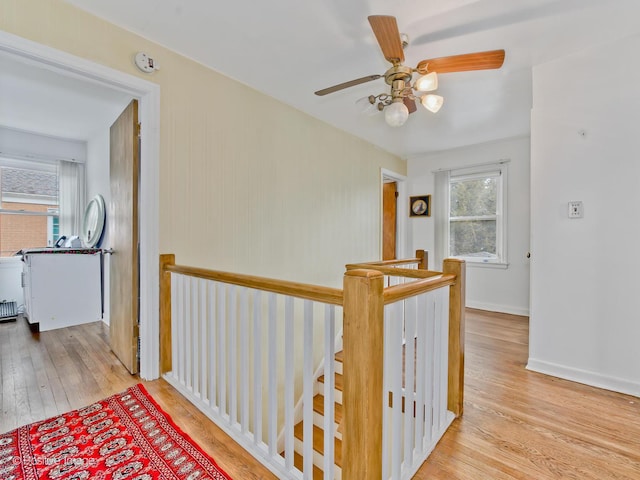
(318, 459)
(318, 421)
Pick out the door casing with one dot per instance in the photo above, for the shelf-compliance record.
(148, 95)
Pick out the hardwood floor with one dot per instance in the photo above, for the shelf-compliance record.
(516, 425)
(519, 424)
(46, 374)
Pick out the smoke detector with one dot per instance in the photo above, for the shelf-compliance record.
(145, 63)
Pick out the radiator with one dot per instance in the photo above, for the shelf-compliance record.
(8, 311)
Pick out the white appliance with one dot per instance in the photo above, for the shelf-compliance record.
(10, 280)
(62, 287)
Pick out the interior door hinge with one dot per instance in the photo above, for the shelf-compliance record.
(139, 127)
(397, 194)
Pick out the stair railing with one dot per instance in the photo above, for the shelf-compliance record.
(421, 318)
(242, 349)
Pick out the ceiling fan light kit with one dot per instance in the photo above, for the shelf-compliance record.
(401, 101)
(396, 114)
(432, 102)
(426, 83)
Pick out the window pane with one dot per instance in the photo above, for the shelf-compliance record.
(28, 187)
(18, 232)
(474, 197)
(476, 238)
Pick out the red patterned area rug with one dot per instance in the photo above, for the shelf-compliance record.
(124, 437)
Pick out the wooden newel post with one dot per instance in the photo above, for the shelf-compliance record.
(456, 334)
(363, 343)
(423, 255)
(165, 312)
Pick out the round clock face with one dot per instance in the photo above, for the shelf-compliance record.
(419, 207)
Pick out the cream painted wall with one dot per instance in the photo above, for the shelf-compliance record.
(247, 184)
(584, 272)
(494, 289)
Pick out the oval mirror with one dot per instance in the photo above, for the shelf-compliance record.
(93, 223)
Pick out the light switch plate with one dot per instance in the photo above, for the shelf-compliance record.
(576, 209)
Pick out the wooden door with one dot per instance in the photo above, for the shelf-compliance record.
(389, 207)
(123, 234)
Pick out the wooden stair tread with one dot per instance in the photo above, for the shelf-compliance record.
(318, 441)
(298, 462)
(340, 356)
(339, 384)
(318, 407)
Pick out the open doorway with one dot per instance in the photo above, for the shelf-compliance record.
(148, 94)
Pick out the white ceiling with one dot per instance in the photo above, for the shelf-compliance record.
(290, 48)
(39, 100)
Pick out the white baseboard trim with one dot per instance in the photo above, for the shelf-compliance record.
(583, 376)
(498, 308)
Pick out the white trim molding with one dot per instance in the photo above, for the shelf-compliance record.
(492, 307)
(583, 376)
(148, 95)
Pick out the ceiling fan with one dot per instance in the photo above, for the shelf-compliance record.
(401, 101)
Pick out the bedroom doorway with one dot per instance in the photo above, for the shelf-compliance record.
(394, 211)
(148, 95)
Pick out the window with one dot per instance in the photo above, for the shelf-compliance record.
(476, 217)
(29, 205)
(53, 227)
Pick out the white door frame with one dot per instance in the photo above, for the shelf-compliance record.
(402, 210)
(148, 95)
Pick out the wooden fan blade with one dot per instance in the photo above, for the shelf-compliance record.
(463, 63)
(410, 103)
(348, 84)
(386, 31)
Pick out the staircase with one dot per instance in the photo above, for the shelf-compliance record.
(318, 432)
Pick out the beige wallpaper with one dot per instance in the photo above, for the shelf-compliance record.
(247, 184)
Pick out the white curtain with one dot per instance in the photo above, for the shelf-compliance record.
(441, 216)
(72, 197)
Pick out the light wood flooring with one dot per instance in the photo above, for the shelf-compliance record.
(516, 425)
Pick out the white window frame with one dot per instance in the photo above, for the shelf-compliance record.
(53, 213)
(500, 171)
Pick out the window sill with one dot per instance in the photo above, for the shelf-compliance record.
(498, 265)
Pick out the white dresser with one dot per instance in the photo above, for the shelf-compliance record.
(62, 287)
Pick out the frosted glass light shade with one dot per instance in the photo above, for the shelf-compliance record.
(426, 83)
(396, 114)
(432, 102)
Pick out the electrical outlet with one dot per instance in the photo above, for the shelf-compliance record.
(576, 210)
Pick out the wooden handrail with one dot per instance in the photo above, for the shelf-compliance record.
(317, 293)
(385, 263)
(400, 292)
(421, 258)
(394, 271)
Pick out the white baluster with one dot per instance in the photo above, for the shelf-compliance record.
(257, 366)
(329, 392)
(273, 379)
(221, 304)
(288, 382)
(232, 352)
(307, 389)
(244, 360)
